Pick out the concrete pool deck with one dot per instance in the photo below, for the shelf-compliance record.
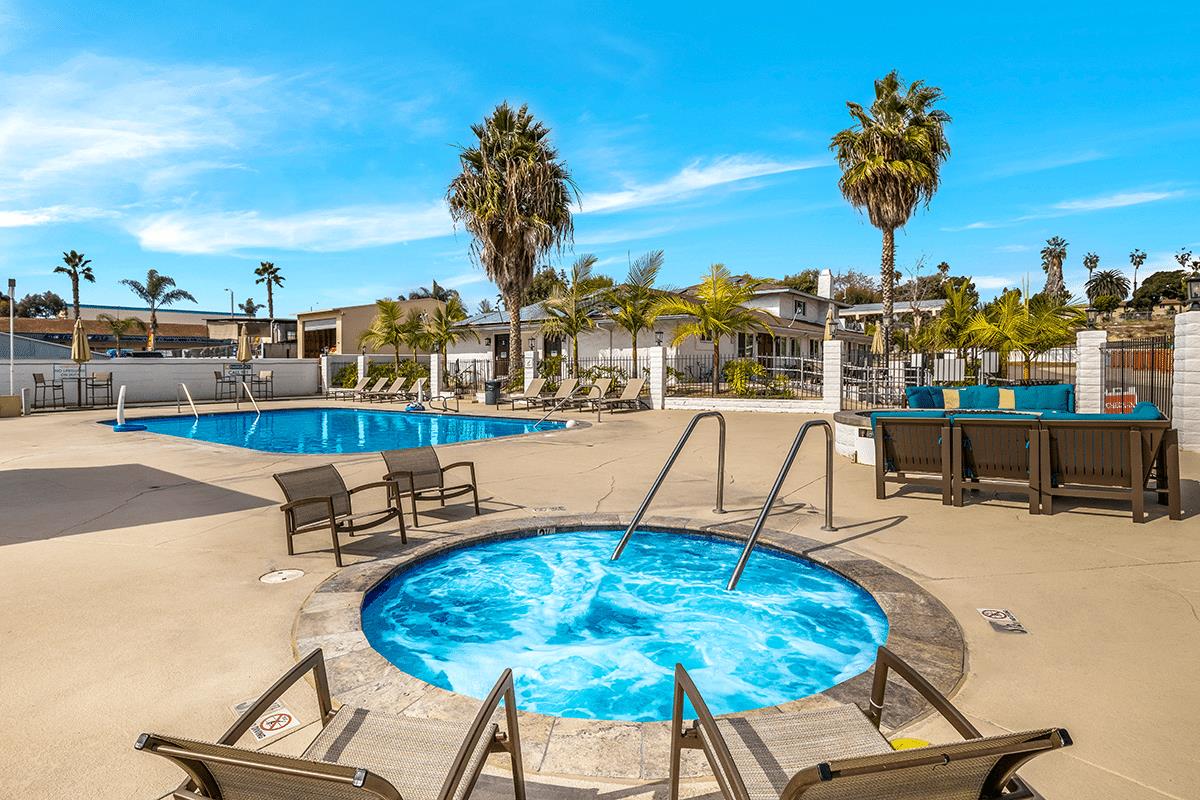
(132, 602)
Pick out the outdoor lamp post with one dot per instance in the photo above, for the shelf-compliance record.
(12, 306)
(658, 338)
(1193, 291)
(230, 302)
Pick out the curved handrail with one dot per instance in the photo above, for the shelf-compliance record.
(249, 394)
(774, 493)
(569, 398)
(188, 395)
(720, 509)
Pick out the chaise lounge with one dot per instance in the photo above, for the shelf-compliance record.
(531, 394)
(566, 390)
(629, 398)
(347, 393)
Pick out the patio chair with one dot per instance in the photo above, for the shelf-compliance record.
(97, 383)
(391, 393)
(55, 389)
(531, 393)
(346, 393)
(317, 499)
(566, 390)
(263, 384)
(416, 473)
(593, 393)
(225, 384)
(359, 754)
(840, 752)
(1108, 459)
(629, 398)
(1003, 453)
(913, 450)
(375, 388)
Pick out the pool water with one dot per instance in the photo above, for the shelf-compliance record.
(338, 430)
(588, 637)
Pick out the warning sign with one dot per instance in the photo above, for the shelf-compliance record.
(277, 719)
(1120, 401)
(1002, 620)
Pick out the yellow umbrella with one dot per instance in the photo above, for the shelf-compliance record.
(877, 341)
(80, 354)
(150, 340)
(243, 348)
(829, 324)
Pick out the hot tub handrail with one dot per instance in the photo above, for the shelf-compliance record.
(774, 493)
(720, 509)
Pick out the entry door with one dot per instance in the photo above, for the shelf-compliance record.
(500, 353)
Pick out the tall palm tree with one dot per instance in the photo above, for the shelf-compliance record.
(632, 304)
(1053, 256)
(1030, 327)
(435, 292)
(442, 328)
(270, 275)
(891, 161)
(76, 267)
(570, 306)
(1136, 258)
(157, 292)
(120, 326)
(514, 196)
(250, 308)
(716, 311)
(386, 328)
(1107, 283)
(1090, 262)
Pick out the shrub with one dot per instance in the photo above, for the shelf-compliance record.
(740, 374)
(551, 370)
(347, 376)
(618, 374)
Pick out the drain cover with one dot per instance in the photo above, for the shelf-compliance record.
(281, 575)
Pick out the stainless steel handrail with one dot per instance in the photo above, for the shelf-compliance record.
(774, 493)
(720, 509)
(557, 406)
(246, 389)
(187, 394)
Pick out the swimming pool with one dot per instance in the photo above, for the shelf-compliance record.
(338, 430)
(591, 638)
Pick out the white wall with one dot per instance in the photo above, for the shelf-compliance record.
(155, 380)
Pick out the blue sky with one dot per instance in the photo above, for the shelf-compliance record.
(199, 139)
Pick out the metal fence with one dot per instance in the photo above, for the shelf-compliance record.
(619, 369)
(466, 377)
(766, 377)
(1138, 370)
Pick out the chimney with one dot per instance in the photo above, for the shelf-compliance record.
(825, 284)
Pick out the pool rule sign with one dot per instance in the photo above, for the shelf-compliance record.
(277, 719)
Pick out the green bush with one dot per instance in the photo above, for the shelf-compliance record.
(618, 374)
(741, 373)
(347, 376)
(551, 370)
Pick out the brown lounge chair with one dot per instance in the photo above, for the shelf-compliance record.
(840, 752)
(416, 473)
(359, 754)
(1109, 459)
(344, 393)
(913, 450)
(565, 390)
(393, 392)
(532, 392)
(317, 499)
(415, 391)
(1002, 453)
(630, 397)
(594, 393)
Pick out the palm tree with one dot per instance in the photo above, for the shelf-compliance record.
(485, 306)
(76, 267)
(1053, 256)
(1136, 258)
(1107, 282)
(435, 292)
(570, 306)
(157, 292)
(386, 329)
(1029, 327)
(269, 274)
(442, 328)
(891, 159)
(1090, 262)
(948, 329)
(412, 331)
(717, 311)
(250, 308)
(514, 197)
(120, 326)
(632, 304)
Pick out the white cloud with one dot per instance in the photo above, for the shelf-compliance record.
(1025, 165)
(464, 279)
(994, 282)
(1116, 200)
(1013, 248)
(23, 218)
(322, 230)
(692, 179)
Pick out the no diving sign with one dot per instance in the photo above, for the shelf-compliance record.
(1002, 620)
(277, 719)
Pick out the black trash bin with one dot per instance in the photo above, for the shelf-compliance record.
(491, 392)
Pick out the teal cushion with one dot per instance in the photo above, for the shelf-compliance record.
(1142, 411)
(979, 397)
(1054, 397)
(910, 414)
(919, 397)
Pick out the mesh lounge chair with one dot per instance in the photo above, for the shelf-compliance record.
(317, 499)
(629, 398)
(1110, 459)
(393, 392)
(532, 393)
(594, 393)
(840, 752)
(358, 755)
(344, 393)
(375, 388)
(908, 445)
(417, 473)
(417, 390)
(565, 390)
(997, 452)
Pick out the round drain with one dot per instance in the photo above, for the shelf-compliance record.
(281, 575)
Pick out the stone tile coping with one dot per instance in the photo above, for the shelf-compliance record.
(921, 630)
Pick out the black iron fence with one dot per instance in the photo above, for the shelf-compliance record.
(767, 377)
(619, 369)
(466, 377)
(1138, 370)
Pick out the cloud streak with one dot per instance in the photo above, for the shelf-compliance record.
(27, 218)
(1085, 205)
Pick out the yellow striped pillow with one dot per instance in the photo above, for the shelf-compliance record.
(1008, 399)
(950, 398)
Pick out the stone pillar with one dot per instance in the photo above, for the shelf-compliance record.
(833, 354)
(437, 371)
(363, 363)
(1185, 393)
(658, 377)
(531, 364)
(1089, 371)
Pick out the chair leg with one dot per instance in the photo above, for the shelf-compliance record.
(337, 548)
(1044, 470)
(1035, 471)
(1171, 465)
(413, 498)
(1137, 482)
(948, 460)
(956, 466)
(475, 494)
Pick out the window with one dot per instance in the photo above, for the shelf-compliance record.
(704, 337)
(801, 308)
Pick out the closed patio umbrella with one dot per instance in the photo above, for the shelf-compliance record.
(243, 347)
(877, 341)
(80, 354)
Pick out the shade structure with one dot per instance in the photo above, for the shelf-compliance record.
(80, 352)
(877, 341)
(830, 325)
(243, 347)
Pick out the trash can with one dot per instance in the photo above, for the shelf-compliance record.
(491, 392)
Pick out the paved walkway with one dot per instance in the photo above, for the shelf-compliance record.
(131, 598)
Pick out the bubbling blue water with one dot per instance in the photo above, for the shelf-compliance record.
(592, 638)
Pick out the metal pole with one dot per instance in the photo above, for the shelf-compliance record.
(12, 353)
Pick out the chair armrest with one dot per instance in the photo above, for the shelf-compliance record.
(468, 464)
(394, 477)
(704, 719)
(885, 661)
(313, 662)
(308, 501)
(383, 484)
(503, 690)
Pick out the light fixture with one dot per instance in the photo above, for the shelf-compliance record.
(658, 338)
(487, 341)
(1093, 315)
(1193, 291)
(532, 342)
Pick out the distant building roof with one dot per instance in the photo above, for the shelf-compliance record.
(169, 309)
(864, 309)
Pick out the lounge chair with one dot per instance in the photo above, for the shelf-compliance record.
(566, 390)
(840, 752)
(416, 473)
(1110, 459)
(347, 393)
(997, 452)
(593, 393)
(359, 754)
(317, 499)
(393, 392)
(532, 392)
(629, 398)
(417, 390)
(913, 450)
(375, 388)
